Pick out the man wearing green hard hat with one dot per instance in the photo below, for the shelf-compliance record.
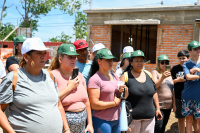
(72, 89)
(12, 63)
(190, 94)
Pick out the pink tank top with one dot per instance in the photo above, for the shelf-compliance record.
(76, 98)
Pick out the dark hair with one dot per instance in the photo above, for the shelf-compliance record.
(95, 67)
(122, 62)
(183, 53)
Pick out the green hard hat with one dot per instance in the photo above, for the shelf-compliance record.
(68, 49)
(20, 38)
(105, 54)
(193, 45)
(163, 57)
(137, 53)
(126, 55)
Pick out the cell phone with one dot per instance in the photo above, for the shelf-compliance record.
(168, 68)
(75, 73)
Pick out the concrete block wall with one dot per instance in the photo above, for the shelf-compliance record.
(174, 38)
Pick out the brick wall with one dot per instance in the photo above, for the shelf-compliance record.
(101, 34)
(174, 39)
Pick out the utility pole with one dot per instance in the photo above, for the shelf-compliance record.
(31, 29)
(197, 2)
(91, 1)
(75, 19)
(2, 40)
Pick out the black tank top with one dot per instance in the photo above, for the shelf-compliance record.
(141, 97)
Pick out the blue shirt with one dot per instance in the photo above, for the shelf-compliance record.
(84, 68)
(191, 89)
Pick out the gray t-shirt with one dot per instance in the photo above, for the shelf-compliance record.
(34, 104)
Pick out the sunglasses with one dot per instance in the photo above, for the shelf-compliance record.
(164, 62)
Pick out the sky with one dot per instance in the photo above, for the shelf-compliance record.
(56, 21)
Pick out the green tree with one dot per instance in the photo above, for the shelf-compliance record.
(3, 9)
(5, 29)
(63, 38)
(33, 9)
(80, 26)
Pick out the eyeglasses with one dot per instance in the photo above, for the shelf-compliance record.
(164, 62)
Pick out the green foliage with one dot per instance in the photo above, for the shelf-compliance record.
(71, 6)
(63, 38)
(28, 24)
(80, 26)
(6, 29)
(32, 10)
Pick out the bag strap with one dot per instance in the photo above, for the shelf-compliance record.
(14, 82)
(51, 75)
(126, 77)
(150, 75)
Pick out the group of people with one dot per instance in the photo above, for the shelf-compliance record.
(51, 100)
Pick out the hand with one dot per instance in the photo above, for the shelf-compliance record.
(89, 129)
(117, 100)
(174, 108)
(121, 88)
(166, 74)
(181, 79)
(73, 84)
(193, 70)
(159, 114)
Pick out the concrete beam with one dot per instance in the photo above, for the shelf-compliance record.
(165, 17)
(157, 8)
(136, 21)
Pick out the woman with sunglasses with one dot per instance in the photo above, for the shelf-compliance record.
(104, 93)
(164, 84)
(124, 64)
(73, 92)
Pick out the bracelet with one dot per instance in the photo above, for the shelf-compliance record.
(157, 108)
(115, 104)
(66, 130)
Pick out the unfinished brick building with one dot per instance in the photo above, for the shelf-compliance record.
(155, 30)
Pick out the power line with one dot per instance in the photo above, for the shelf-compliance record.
(56, 26)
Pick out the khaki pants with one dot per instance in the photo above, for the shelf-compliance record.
(142, 126)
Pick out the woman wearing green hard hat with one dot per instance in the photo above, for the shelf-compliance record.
(164, 84)
(12, 63)
(104, 93)
(142, 95)
(73, 92)
(124, 64)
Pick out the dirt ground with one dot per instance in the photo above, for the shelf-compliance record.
(172, 125)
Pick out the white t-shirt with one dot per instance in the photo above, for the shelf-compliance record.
(2, 70)
(119, 72)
